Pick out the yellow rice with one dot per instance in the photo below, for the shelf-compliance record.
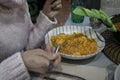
(76, 44)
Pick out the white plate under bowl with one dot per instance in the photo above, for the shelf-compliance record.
(71, 29)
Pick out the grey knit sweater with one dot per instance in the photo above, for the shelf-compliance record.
(16, 33)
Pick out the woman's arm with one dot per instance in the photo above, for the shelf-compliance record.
(45, 22)
(39, 30)
(13, 68)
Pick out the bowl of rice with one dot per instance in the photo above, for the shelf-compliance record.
(76, 42)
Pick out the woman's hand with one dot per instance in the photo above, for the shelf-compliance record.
(51, 8)
(57, 56)
(38, 60)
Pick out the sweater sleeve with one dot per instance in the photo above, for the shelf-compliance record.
(13, 68)
(3, 1)
(37, 34)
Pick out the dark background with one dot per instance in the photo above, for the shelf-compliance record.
(41, 3)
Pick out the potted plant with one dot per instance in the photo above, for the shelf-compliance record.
(99, 14)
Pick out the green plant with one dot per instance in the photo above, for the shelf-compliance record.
(99, 14)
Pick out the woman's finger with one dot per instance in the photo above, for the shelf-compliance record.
(57, 2)
(58, 7)
(49, 48)
(57, 59)
(44, 54)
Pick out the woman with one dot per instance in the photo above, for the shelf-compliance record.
(19, 39)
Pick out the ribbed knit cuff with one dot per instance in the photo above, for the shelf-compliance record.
(54, 20)
(13, 68)
(44, 23)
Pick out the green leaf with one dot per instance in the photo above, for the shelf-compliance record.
(99, 14)
(112, 29)
(103, 13)
(79, 11)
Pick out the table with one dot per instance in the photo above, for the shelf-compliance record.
(80, 67)
(99, 60)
